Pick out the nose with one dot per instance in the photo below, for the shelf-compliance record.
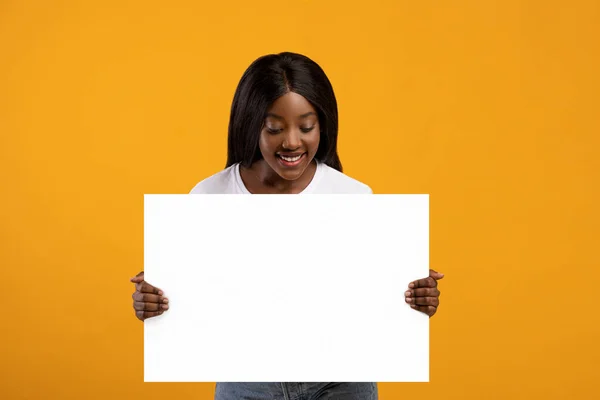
(291, 140)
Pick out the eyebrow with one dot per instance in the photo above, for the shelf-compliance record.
(308, 114)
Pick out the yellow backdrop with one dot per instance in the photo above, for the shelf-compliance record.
(490, 107)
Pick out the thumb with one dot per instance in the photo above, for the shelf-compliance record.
(435, 275)
(138, 278)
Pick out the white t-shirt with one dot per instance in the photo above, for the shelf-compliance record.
(326, 181)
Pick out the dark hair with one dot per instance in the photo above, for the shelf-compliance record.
(266, 79)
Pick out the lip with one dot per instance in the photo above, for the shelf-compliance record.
(288, 164)
(290, 154)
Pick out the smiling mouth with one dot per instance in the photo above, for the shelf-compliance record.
(291, 159)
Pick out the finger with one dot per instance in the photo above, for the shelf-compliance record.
(429, 310)
(145, 287)
(423, 301)
(142, 315)
(141, 306)
(425, 282)
(149, 298)
(435, 275)
(138, 278)
(426, 301)
(422, 292)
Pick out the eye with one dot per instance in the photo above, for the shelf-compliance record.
(306, 130)
(274, 131)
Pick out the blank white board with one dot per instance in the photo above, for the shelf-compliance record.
(280, 288)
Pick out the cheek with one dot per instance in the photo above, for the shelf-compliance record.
(263, 143)
(315, 140)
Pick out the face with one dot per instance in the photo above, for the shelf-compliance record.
(290, 136)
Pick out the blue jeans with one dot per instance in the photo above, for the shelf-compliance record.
(296, 391)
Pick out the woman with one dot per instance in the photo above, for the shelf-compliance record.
(283, 140)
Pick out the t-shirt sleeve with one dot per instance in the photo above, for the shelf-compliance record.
(219, 183)
(197, 189)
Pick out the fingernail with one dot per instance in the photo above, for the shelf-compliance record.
(165, 306)
(408, 300)
(411, 285)
(413, 306)
(165, 300)
(160, 292)
(407, 293)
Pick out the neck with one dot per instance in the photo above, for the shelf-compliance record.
(260, 178)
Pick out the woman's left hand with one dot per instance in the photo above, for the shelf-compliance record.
(423, 294)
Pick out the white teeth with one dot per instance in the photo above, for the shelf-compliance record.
(291, 159)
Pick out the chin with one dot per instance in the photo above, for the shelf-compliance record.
(290, 175)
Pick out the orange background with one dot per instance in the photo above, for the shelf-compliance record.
(491, 107)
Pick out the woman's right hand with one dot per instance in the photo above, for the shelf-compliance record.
(148, 301)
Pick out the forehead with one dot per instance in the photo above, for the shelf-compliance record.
(291, 106)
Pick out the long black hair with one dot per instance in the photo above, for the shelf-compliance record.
(266, 79)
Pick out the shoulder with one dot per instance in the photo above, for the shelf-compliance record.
(219, 183)
(335, 181)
